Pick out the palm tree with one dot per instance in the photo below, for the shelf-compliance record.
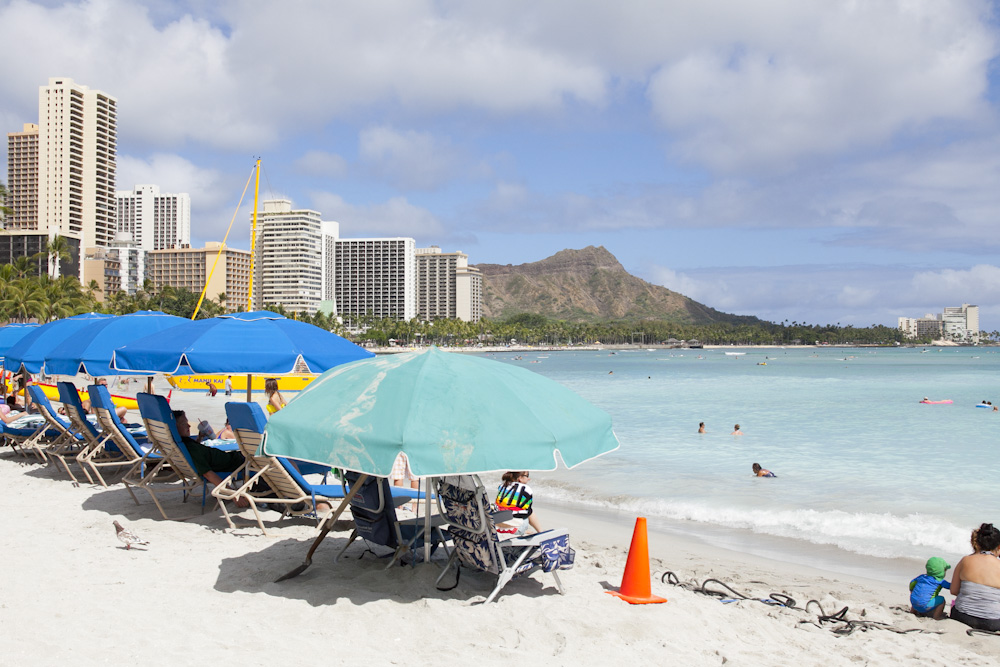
(4, 209)
(57, 251)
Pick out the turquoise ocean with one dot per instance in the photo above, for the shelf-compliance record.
(864, 470)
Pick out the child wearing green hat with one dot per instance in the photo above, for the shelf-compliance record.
(925, 598)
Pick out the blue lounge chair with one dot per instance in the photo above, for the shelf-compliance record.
(466, 507)
(373, 508)
(67, 444)
(174, 471)
(118, 447)
(268, 479)
(81, 426)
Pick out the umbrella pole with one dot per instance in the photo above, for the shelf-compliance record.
(149, 384)
(249, 386)
(327, 525)
(427, 518)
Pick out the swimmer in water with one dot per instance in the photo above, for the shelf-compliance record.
(701, 427)
(736, 430)
(762, 472)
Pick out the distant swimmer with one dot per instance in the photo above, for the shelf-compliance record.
(736, 430)
(762, 472)
(611, 372)
(701, 427)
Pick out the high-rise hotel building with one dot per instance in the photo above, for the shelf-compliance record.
(447, 287)
(376, 277)
(76, 162)
(288, 267)
(22, 178)
(156, 221)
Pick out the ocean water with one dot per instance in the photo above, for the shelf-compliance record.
(863, 467)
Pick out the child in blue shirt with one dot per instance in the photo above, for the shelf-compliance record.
(925, 598)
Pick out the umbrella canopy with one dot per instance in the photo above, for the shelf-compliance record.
(12, 333)
(450, 414)
(89, 350)
(30, 352)
(258, 343)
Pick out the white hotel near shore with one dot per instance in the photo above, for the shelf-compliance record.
(959, 324)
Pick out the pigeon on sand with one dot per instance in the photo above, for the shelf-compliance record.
(128, 537)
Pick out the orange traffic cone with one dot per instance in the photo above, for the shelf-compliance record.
(635, 586)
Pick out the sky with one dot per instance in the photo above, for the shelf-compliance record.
(820, 161)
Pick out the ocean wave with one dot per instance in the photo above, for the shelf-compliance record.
(871, 534)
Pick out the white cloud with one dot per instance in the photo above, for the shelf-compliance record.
(822, 78)
(408, 160)
(322, 164)
(395, 217)
(214, 194)
(860, 295)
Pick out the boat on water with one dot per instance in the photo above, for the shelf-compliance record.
(735, 354)
(52, 392)
(286, 383)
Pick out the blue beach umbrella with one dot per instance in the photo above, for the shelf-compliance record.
(12, 333)
(255, 343)
(450, 413)
(29, 353)
(89, 350)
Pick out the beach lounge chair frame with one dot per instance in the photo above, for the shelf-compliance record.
(465, 505)
(173, 470)
(118, 448)
(373, 508)
(28, 441)
(67, 444)
(267, 479)
(93, 446)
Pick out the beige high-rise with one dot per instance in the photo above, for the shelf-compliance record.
(22, 178)
(77, 153)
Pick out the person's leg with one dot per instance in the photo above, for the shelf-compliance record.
(937, 611)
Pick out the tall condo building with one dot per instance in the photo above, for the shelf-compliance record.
(447, 287)
(288, 264)
(190, 268)
(131, 262)
(22, 178)
(156, 221)
(77, 159)
(376, 277)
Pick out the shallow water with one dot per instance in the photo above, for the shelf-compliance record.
(862, 466)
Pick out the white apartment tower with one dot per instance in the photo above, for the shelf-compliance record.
(376, 277)
(447, 287)
(289, 267)
(77, 153)
(22, 178)
(155, 221)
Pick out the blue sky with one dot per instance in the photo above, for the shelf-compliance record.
(813, 160)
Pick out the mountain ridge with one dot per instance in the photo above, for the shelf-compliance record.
(588, 284)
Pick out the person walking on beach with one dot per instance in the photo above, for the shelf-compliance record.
(736, 430)
(701, 427)
(229, 385)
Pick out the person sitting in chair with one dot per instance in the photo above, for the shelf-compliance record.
(208, 461)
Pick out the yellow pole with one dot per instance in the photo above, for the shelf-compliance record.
(221, 248)
(253, 238)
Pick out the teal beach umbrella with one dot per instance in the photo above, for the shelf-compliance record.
(450, 413)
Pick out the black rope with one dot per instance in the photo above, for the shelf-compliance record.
(845, 625)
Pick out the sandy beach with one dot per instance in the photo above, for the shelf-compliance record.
(74, 595)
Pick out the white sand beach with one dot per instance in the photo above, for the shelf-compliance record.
(72, 594)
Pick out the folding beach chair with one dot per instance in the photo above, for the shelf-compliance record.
(67, 444)
(466, 507)
(374, 510)
(174, 471)
(118, 447)
(267, 479)
(28, 434)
